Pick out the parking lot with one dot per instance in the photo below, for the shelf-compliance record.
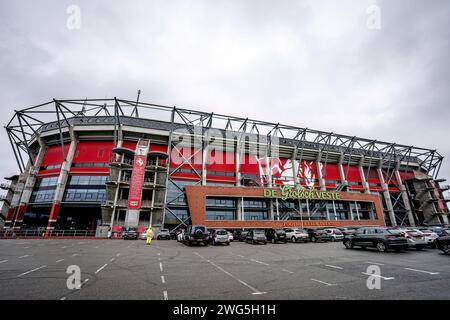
(119, 269)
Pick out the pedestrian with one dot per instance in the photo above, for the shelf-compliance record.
(149, 235)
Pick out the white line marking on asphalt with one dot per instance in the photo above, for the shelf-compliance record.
(163, 280)
(334, 267)
(166, 297)
(27, 255)
(423, 271)
(35, 269)
(240, 256)
(117, 255)
(160, 267)
(112, 259)
(84, 282)
(75, 254)
(96, 247)
(58, 261)
(63, 247)
(285, 270)
(3, 261)
(26, 247)
(323, 282)
(266, 264)
(255, 291)
(101, 268)
(378, 276)
(63, 298)
(159, 253)
(376, 263)
(159, 259)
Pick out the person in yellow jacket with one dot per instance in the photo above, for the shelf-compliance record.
(149, 235)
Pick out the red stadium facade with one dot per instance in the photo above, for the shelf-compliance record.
(100, 165)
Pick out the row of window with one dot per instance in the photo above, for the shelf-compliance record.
(87, 195)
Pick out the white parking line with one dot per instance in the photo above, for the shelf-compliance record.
(27, 255)
(112, 259)
(96, 247)
(3, 261)
(33, 270)
(334, 267)
(84, 282)
(58, 261)
(266, 264)
(63, 298)
(160, 267)
(423, 271)
(285, 270)
(378, 276)
(117, 255)
(255, 291)
(101, 268)
(323, 282)
(163, 280)
(26, 247)
(75, 254)
(166, 297)
(376, 263)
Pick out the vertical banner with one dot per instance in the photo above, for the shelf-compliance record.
(137, 176)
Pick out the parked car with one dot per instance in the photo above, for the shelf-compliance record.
(335, 234)
(163, 234)
(230, 236)
(243, 236)
(276, 235)
(256, 236)
(347, 231)
(316, 235)
(415, 238)
(429, 236)
(297, 235)
(443, 244)
(196, 234)
(380, 238)
(440, 231)
(129, 234)
(219, 236)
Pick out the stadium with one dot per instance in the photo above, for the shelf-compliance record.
(91, 166)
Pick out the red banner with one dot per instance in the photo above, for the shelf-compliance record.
(137, 179)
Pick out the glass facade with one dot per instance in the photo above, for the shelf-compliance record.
(85, 189)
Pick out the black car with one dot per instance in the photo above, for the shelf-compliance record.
(243, 236)
(443, 243)
(196, 234)
(256, 236)
(130, 234)
(380, 238)
(276, 235)
(316, 235)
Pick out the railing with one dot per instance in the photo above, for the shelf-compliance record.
(11, 234)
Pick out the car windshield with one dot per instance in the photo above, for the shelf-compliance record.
(395, 232)
(258, 232)
(301, 230)
(337, 231)
(222, 232)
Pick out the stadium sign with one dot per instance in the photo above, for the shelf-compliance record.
(289, 192)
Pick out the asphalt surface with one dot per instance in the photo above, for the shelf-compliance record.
(119, 269)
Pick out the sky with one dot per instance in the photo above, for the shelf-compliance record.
(375, 69)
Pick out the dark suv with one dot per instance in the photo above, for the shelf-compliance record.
(276, 235)
(380, 238)
(196, 234)
(316, 235)
(129, 233)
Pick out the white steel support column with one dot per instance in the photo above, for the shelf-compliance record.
(341, 172)
(387, 196)
(405, 197)
(320, 173)
(363, 176)
(119, 176)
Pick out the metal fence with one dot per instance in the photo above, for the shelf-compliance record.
(12, 234)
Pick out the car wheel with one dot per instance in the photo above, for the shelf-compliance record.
(313, 239)
(348, 244)
(189, 243)
(273, 240)
(419, 247)
(228, 243)
(381, 247)
(445, 248)
(293, 240)
(333, 239)
(253, 241)
(265, 242)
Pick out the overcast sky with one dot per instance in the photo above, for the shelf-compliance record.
(307, 63)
